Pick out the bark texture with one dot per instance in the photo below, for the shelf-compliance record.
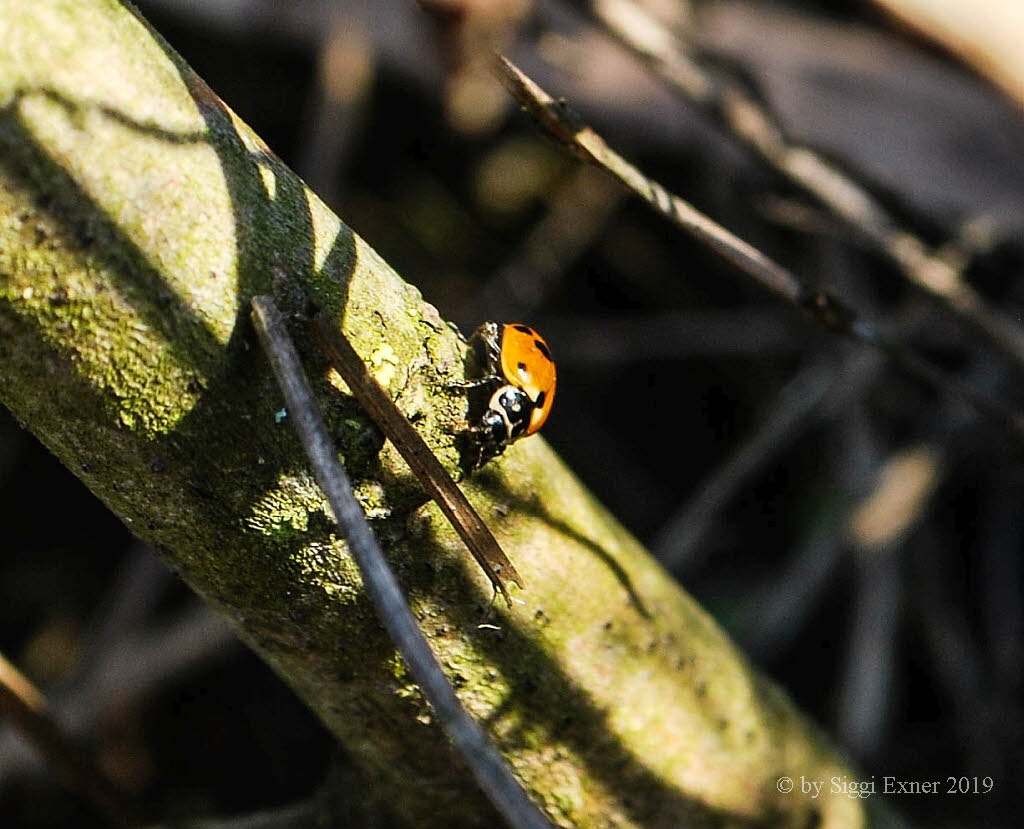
(138, 215)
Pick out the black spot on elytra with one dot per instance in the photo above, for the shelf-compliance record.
(524, 329)
(542, 348)
(539, 402)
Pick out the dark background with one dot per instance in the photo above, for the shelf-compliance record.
(671, 366)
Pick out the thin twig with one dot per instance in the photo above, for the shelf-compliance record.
(132, 666)
(679, 540)
(869, 664)
(345, 74)
(959, 659)
(559, 120)
(808, 393)
(487, 765)
(414, 450)
(599, 340)
(774, 612)
(751, 123)
(23, 704)
(576, 214)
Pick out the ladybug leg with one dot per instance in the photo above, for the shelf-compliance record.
(480, 448)
(460, 427)
(470, 384)
(476, 446)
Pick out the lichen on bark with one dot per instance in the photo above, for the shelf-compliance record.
(138, 215)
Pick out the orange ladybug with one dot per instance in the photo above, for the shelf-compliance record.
(519, 374)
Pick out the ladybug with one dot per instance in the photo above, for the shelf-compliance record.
(517, 385)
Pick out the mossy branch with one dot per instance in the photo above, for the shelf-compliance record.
(138, 216)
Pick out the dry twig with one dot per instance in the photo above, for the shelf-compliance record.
(380, 583)
(562, 123)
(415, 452)
(752, 124)
(25, 706)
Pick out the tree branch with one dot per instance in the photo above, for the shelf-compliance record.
(139, 218)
